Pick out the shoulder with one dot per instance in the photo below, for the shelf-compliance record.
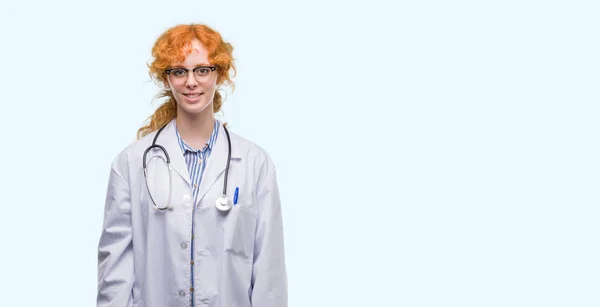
(253, 152)
(131, 154)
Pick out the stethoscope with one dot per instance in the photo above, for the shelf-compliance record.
(223, 203)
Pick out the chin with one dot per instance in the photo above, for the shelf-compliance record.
(195, 108)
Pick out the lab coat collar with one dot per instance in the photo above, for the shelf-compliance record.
(217, 162)
(168, 139)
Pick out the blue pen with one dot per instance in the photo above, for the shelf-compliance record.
(235, 195)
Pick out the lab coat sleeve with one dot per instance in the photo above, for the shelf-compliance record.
(115, 253)
(269, 277)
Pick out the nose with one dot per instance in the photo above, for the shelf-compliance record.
(191, 81)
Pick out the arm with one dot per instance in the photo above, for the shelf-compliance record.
(269, 277)
(115, 254)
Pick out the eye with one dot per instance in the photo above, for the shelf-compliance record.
(202, 70)
(178, 72)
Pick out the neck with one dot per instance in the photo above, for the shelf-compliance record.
(195, 129)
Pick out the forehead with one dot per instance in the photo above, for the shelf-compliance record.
(195, 53)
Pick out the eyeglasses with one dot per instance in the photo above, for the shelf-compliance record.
(201, 73)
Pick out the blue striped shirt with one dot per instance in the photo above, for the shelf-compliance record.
(195, 159)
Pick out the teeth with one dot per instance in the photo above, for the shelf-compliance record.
(193, 95)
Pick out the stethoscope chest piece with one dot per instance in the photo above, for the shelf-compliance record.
(223, 204)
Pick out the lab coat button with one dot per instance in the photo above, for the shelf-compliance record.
(186, 198)
(181, 293)
(183, 245)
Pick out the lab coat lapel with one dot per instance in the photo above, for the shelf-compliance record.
(216, 164)
(168, 139)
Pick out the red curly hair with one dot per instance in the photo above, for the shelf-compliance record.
(170, 48)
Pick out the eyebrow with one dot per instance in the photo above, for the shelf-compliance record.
(199, 65)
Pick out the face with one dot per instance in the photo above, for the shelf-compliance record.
(193, 90)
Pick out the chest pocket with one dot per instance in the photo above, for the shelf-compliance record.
(239, 228)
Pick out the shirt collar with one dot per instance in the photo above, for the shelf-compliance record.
(209, 144)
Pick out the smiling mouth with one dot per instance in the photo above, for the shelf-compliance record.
(193, 95)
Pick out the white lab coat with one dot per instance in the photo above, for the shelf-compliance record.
(144, 254)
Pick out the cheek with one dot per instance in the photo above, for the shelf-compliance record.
(176, 90)
(209, 89)
(211, 86)
(177, 94)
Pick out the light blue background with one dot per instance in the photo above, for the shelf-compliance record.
(429, 153)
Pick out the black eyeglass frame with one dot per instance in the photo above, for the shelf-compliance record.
(212, 68)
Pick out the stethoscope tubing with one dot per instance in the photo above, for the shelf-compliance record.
(220, 205)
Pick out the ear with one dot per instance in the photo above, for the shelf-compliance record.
(166, 85)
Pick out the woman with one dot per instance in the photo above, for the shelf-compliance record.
(171, 237)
